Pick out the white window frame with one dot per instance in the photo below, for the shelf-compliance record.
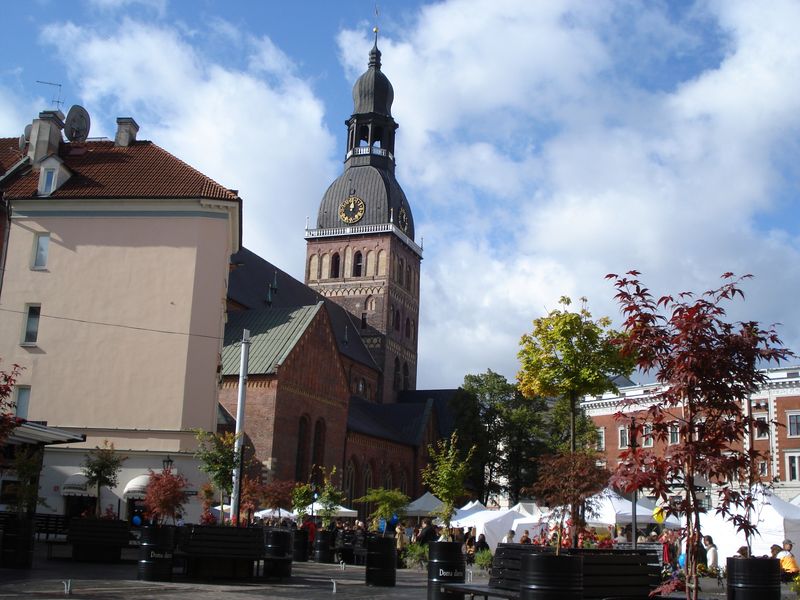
(763, 469)
(601, 439)
(788, 459)
(623, 437)
(758, 432)
(25, 323)
(647, 435)
(38, 239)
(674, 428)
(49, 180)
(22, 401)
(789, 414)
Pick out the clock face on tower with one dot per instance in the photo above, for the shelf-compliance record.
(402, 218)
(351, 210)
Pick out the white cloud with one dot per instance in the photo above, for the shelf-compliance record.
(265, 138)
(159, 6)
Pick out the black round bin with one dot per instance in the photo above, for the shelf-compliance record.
(381, 569)
(445, 565)
(754, 579)
(551, 577)
(322, 547)
(156, 546)
(300, 545)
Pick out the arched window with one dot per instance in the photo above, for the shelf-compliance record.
(406, 377)
(400, 271)
(369, 303)
(349, 486)
(382, 263)
(318, 453)
(358, 264)
(403, 482)
(367, 481)
(301, 458)
(362, 384)
(313, 267)
(408, 328)
(396, 380)
(387, 479)
(397, 319)
(335, 265)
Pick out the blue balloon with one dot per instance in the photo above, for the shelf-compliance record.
(682, 560)
(136, 520)
(394, 521)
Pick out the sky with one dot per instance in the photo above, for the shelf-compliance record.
(542, 144)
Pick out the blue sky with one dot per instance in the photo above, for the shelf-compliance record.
(541, 144)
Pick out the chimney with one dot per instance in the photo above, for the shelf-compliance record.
(45, 135)
(127, 129)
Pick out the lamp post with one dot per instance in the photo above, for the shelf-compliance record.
(167, 463)
(635, 490)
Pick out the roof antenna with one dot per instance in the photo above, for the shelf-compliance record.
(56, 99)
(272, 288)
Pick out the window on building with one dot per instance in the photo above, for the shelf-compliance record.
(761, 431)
(40, 249)
(387, 480)
(31, 333)
(623, 437)
(793, 467)
(647, 435)
(674, 434)
(408, 328)
(301, 458)
(358, 264)
(601, 439)
(406, 377)
(23, 401)
(318, 453)
(335, 265)
(49, 181)
(793, 424)
(397, 320)
(363, 320)
(763, 471)
(396, 380)
(350, 481)
(403, 482)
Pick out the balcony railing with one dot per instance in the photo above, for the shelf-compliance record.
(363, 150)
(362, 229)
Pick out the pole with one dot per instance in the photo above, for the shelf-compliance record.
(237, 470)
(635, 491)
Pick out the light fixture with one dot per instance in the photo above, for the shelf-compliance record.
(167, 463)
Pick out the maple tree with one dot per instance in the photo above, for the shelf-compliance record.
(8, 418)
(165, 495)
(708, 368)
(277, 494)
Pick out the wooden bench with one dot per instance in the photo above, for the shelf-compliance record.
(98, 540)
(50, 525)
(484, 591)
(213, 552)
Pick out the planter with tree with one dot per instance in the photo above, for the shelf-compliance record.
(164, 501)
(330, 498)
(708, 369)
(18, 527)
(445, 475)
(218, 459)
(381, 567)
(302, 497)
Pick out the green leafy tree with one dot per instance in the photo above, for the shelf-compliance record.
(465, 407)
(302, 497)
(387, 503)
(101, 468)
(330, 498)
(445, 474)
(218, 459)
(557, 430)
(27, 466)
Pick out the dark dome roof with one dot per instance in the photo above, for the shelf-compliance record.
(373, 93)
(380, 192)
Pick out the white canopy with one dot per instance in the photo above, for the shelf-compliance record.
(137, 487)
(775, 519)
(271, 513)
(424, 506)
(609, 508)
(530, 509)
(225, 507)
(341, 511)
(76, 485)
(468, 509)
(494, 524)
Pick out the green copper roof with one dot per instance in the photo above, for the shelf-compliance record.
(273, 334)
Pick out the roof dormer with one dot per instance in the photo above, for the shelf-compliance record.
(53, 173)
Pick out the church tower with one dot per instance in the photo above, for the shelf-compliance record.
(362, 254)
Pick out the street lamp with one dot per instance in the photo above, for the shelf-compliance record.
(634, 527)
(167, 463)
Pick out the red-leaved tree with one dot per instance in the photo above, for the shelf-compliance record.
(8, 417)
(278, 494)
(166, 495)
(708, 368)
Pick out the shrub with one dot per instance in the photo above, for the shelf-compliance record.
(483, 559)
(415, 555)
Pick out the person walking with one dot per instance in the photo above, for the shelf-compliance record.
(789, 568)
(712, 556)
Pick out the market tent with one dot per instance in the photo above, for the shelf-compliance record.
(495, 526)
(468, 509)
(535, 526)
(271, 513)
(340, 511)
(529, 509)
(775, 518)
(225, 507)
(609, 508)
(424, 506)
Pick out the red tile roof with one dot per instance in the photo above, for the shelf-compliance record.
(102, 170)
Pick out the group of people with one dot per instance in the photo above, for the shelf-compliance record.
(430, 532)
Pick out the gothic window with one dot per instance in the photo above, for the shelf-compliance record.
(387, 480)
(350, 481)
(325, 268)
(370, 264)
(318, 455)
(358, 264)
(397, 319)
(408, 277)
(301, 459)
(413, 329)
(406, 377)
(408, 328)
(403, 482)
(367, 478)
(335, 264)
(400, 271)
(396, 381)
(369, 303)
(363, 320)
(313, 267)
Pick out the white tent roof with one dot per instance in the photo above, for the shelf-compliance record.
(529, 509)
(269, 513)
(609, 508)
(494, 524)
(468, 509)
(341, 511)
(777, 520)
(424, 506)
(137, 487)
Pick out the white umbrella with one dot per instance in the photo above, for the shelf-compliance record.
(225, 507)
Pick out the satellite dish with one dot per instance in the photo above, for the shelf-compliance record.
(77, 124)
(27, 134)
(22, 143)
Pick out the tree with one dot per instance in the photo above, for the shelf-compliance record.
(278, 494)
(569, 355)
(557, 429)
(445, 474)
(27, 466)
(387, 503)
(8, 418)
(218, 459)
(165, 495)
(708, 369)
(569, 479)
(302, 497)
(466, 410)
(330, 497)
(101, 468)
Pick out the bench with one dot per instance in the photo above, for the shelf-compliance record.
(50, 525)
(213, 552)
(98, 540)
(484, 591)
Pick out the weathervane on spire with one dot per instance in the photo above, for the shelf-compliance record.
(376, 29)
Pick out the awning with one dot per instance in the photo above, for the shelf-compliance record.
(136, 487)
(76, 485)
(36, 433)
